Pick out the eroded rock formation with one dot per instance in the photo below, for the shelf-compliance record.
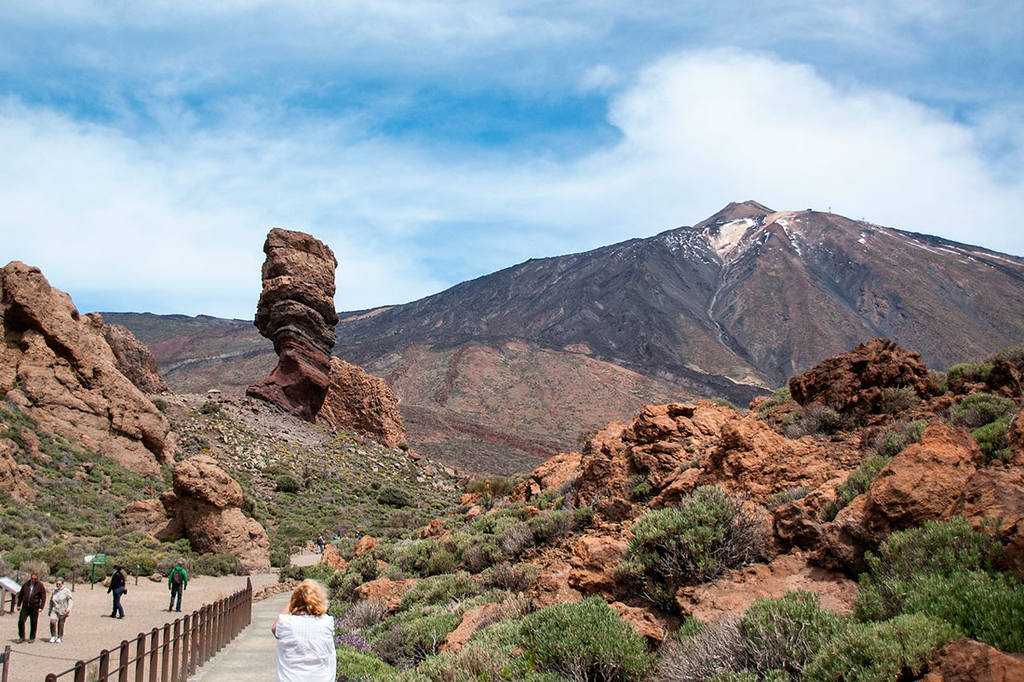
(56, 365)
(360, 402)
(204, 506)
(855, 381)
(134, 359)
(296, 311)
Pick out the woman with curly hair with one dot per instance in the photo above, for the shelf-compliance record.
(305, 637)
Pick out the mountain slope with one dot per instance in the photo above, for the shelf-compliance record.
(500, 370)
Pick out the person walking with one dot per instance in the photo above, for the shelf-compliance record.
(118, 589)
(305, 637)
(320, 544)
(31, 599)
(177, 582)
(60, 608)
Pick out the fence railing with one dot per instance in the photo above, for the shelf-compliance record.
(170, 653)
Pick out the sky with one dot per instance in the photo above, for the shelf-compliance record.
(146, 148)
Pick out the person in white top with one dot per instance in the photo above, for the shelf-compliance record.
(305, 637)
(60, 608)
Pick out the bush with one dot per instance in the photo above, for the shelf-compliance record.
(897, 399)
(815, 420)
(438, 589)
(517, 538)
(584, 640)
(286, 483)
(480, 554)
(857, 483)
(280, 557)
(708, 533)
(364, 614)
(218, 564)
(787, 633)
(551, 525)
(495, 485)
(515, 578)
(991, 438)
(897, 649)
(782, 497)
(714, 650)
(30, 566)
(355, 665)
(780, 397)
(979, 409)
(892, 443)
(639, 488)
(965, 373)
(394, 497)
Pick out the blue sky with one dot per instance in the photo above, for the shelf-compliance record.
(149, 146)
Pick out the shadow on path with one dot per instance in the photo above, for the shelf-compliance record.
(252, 655)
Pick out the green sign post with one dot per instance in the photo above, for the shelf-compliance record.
(94, 560)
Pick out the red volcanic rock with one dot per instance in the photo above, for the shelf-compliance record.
(594, 560)
(641, 620)
(365, 544)
(854, 381)
(998, 494)
(1015, 437)
(204, 507)
(134, 359)
(472, 620)
(735, 591)
(332, 558)
(560, 470)
(386, 591)
(965, 660)
(551, 586)
(14, 477)
(363, 403)
(435, 529)
(927, 481)
(296, 311)
(56, 365)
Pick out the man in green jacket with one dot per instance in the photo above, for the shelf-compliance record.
(177, 581)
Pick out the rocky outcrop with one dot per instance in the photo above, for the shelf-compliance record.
(359, 402)
(996, 495)
(203, 506)
(594, 561)
(332, 559)
(386, 591)
(296, 311)
(472, 620)
(134, 359)
(551, 586)
(365, 544)
(561, 470)
(56, 366)
(641, 620)
(965, 660)
(14, 477)
(855, 381)
(1015, 437)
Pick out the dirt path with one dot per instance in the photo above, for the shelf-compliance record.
(90, 629)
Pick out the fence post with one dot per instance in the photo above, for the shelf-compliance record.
(221, 625)
(154, 641)
(140, 657)
(248, 599)
(7, 649)
(176, 657)
(197, 622)
(80, 671)
(122, 662)
(104, 671)
(186, 645)
(165, 656)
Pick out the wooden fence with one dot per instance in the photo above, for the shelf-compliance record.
(170, 653)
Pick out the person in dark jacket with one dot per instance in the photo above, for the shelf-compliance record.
(177, 582)
(31, 599)
(118, 589)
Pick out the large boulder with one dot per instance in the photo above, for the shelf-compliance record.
(359, 402)
(134, 360)
(14, 477)
(855, 381)
(204, 506)
(56, 365)
(296, 311)
(965, 660)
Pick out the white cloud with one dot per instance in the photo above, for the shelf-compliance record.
(186, 213)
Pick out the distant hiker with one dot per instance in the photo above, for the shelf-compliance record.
(320, 543)
(305, 637)
(118, 589)
(31, 599)
(60, 609)
(177, 582)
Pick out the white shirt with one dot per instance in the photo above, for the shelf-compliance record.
(305, 649)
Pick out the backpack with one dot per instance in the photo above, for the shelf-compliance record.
(176, 576)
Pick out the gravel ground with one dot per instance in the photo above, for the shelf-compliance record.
(90, 629)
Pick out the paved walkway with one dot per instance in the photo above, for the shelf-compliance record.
(252, 655)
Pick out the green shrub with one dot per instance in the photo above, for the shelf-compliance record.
(897, 399)
(958, 376)
(639, 488)
(582, 516)
(495, 485)
(703, 652)
(394, 497)
(780, 397)
(787, 633)
(814, 420)
(722, 402)
(438, 589)
(280, 557)
(425, 557)
(584, 640)
(708, 533)
(782, 497)
(857, 483)
(480, 554)
(286, 483)
(516, 538)
(210, 408)
(218, 564)
(892, 443)
(425, 634)
(979, 409)
(893, 650)
(551, 525)
(356, 665)
(991, 438)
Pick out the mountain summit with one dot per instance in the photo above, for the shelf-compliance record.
(496, 372)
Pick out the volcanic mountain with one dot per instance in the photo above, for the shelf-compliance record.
(498, 371)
